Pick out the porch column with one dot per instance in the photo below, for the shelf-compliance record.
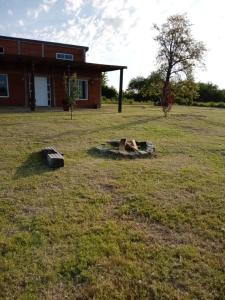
(68, 78)
(120, 92)
(32, 85)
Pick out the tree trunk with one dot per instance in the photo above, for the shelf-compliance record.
(71, 111)
(165, 104)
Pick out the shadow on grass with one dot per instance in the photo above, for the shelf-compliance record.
(97, 154)
(111, 156)
(33, 165)
(135, 122)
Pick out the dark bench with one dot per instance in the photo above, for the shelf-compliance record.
(53, 158)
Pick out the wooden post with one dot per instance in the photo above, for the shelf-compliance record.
(69, 90)
(32, 99)
(68, 79)
(120, 92)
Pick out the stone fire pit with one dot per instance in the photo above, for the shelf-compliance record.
(125, 148)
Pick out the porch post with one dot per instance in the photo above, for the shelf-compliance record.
(68, 78)
(32, 98)
(120, 92)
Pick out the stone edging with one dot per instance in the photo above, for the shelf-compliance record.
(147, 152)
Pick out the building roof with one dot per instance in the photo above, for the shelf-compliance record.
(40, 41)
(98, 67)
(56, 62)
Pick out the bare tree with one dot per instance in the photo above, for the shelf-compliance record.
(71, 91)
(178, 53)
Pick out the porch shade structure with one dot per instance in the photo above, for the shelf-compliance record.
(32, 62)
(104, 68)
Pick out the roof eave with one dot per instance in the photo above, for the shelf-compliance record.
(45, 42)
(63, 63)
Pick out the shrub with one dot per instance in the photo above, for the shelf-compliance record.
(109, 100)
(209, 104)
(109, 92)
(183, 101)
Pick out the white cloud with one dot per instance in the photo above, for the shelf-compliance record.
(20, 23)
(117, 32)
(45, 6)
(120, 31)
(10, 12)
(73, 5)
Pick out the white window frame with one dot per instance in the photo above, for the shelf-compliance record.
(1, 53)
(83, 99)
(64, 56)
(7, 83)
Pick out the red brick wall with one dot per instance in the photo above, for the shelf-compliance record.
(18, 85)
(94, 89)
(38, 49)
(16, 89)
(59, 89)
(51, 50)
(30, 49)
(10, 47)
(18, 74)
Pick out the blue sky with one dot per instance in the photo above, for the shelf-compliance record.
(119, 31)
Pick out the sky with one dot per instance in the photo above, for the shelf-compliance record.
(119, 32)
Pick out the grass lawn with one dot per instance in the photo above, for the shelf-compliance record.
(103, 228)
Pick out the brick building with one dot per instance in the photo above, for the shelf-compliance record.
(32, 73)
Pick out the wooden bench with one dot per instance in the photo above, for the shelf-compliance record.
(53, 158)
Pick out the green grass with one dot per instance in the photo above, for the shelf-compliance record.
(103, 228)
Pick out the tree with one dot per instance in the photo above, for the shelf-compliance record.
(137, 84)
(209, 92)
(109, 92)
(136, 88)
(178, 53)
(186, 91)
(153, 86)
(104, 79)
(71, 91)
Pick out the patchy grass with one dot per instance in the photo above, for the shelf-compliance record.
(103, 228)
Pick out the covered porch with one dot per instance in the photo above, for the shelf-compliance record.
(33, 65)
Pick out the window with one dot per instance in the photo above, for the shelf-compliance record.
(59, 55)
(1, 50)
(82, 89)
(68, 56)
(4, 89)
(64, 56)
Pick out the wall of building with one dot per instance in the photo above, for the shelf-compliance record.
(10, 46)
(18, 81)
(40, 49)
(30, 49)
(94, 89)
(51, 50)
(19, 73)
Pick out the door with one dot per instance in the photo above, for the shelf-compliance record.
(41, 90)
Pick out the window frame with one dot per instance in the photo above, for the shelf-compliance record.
(86, 85)
(7, 84)
(64, 56)
(2, 53)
